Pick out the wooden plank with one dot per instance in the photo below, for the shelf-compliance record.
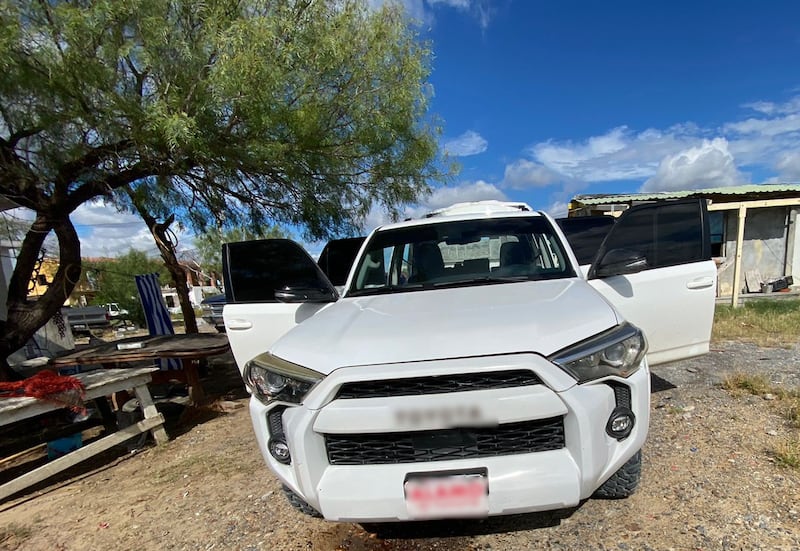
(73, 458)
(765, 203)
(101, 382)
(198, 345)
(11, 458)
(737, 267)
(149, 411)
(753, 281)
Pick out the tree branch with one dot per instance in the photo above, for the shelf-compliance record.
(69, 172)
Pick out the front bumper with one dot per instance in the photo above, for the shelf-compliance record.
(518, 482)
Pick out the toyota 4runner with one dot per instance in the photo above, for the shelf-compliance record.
(469, 365)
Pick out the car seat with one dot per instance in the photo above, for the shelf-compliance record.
(515, 258)
(428, 263)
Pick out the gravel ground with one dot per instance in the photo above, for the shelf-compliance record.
(709, 482)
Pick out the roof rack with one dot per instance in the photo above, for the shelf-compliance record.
(481, 207)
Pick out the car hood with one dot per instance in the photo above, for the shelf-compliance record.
(537, 316)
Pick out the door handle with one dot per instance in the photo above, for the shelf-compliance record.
(700, 283)
(239, 325)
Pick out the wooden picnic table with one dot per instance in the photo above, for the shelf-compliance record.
(189, 348)
(98, 384)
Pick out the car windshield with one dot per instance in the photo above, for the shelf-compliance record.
(453, 254)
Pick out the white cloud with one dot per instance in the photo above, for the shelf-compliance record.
(468, 143)
(97, 212)
(523, 174)
(557, 209)
(478, 190)
(765, 126)
(619, 154)
(708, 165)
(765, 143)
(440, 197)
(789, 166)
(771, 108)
(463, 4)
(104, 232)
(423, 11)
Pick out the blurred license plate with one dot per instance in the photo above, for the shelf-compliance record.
(447, 495)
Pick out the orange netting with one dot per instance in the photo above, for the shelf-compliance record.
(46, 385)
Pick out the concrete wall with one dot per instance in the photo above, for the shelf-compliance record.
(764, 248)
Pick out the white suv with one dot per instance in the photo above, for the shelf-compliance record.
(469, 366)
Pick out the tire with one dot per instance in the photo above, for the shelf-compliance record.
(623, 482)
(298, 503)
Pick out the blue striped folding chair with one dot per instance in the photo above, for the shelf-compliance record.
(156, 314)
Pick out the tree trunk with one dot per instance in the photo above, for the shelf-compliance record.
(167, 250)
(26, 316)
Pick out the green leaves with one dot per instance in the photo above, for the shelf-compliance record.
(306, 113)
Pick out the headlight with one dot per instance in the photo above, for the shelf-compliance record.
(270, 378)
(616, 352)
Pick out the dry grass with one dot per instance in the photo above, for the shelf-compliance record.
(742, 383)
(762, 322)
(12, 535)
(787, 453)
(786, 400)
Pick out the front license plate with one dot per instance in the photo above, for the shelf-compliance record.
(447, 495)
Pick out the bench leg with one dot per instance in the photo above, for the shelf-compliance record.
(149, 410)
(109, 419)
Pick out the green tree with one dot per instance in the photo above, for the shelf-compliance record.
(114, 280)
(231, 112)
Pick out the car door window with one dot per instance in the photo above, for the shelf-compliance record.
(666, 234)
(585, 234)
(254, 270)
(337, 258)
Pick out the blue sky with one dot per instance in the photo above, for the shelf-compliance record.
(540, 101)
(544, 100)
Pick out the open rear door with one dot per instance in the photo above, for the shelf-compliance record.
(655, 267)
(254, 271)
(337, 258)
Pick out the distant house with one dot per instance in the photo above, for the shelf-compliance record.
(754, 224)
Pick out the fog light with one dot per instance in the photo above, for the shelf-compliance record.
(621, 422)
(279, 450)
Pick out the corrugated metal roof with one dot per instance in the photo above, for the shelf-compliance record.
(716, 193)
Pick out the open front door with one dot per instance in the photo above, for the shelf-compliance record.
(257, 274)
(655, 267)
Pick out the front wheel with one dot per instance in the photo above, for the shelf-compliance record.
(623, 482)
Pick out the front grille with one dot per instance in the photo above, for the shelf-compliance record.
(622, 394)
(440, 384)
(275, 420)
(438, 445)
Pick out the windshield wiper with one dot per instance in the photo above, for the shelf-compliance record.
(387, 290)
(483, 280)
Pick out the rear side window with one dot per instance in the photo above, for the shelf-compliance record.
(337, 258)
(254, 270)
(667, 234)
(585, 234)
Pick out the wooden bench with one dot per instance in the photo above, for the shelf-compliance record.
(98, 384)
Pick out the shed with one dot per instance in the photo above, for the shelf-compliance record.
(754, 235)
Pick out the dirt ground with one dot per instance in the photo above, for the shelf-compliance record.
(709, 482)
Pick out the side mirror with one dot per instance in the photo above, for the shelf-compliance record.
(304, 294)
(621, 262)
